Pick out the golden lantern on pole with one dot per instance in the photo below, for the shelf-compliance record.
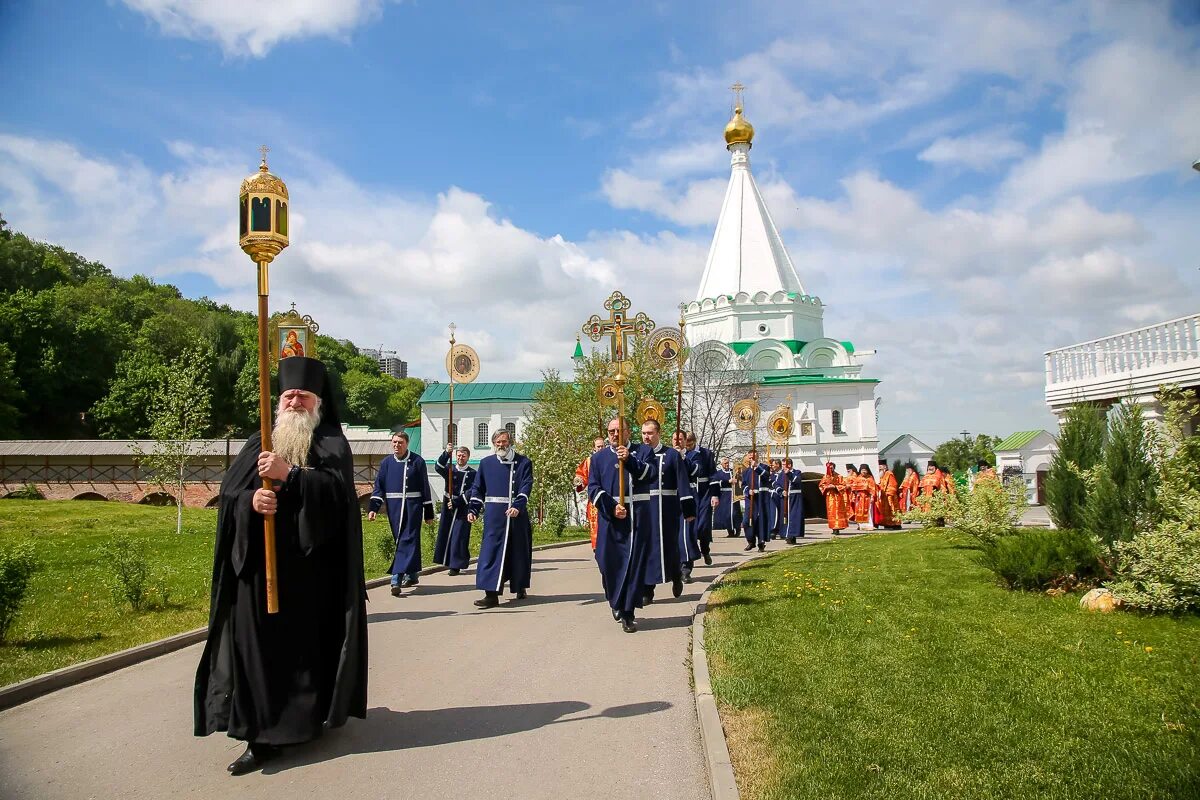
(263, 233)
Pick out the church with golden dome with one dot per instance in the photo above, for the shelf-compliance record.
(752, 311)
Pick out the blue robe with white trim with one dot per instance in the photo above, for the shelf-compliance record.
(757, 520)
(622, 545)
(722, 488)
(453, 546)
(791, 524)
(670, 501)
(506, 552)
(701, 468)
(404, 484)
(773, 522)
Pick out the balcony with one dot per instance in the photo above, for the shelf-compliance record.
(1130, 364)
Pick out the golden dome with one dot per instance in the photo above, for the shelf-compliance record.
(738, 129)
(264, 182)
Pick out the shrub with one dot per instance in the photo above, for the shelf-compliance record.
(17, 565)
(992, 509)
(26, 492)
(130, 578)
(1042, 558)
(386, 543)
(1159, 571)
(1080, 445)
(554, 516)
(939, 509)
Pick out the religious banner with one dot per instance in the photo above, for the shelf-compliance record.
(292, 335)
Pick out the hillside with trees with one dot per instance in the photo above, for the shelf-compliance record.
(83, 352)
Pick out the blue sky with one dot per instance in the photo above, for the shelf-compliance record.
(964, 184)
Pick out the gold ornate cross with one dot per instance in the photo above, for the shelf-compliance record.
(264, 150)
(618, 326)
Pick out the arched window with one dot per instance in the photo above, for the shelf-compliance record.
(511, 427)
(481, 435)
(452, 433)
(837, 421)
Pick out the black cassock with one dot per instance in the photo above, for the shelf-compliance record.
(280, 678)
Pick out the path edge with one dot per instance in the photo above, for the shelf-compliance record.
(40, 685)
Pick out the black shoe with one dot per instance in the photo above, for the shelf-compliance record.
(762, 547)
(791, 540)
(687, 578)
(520, 594)
(676, 587)
(629, 626)
(396, 590)
(452, 572)
(647, 598)
(407, 581)
(489, 600)
(748, 548)
(616, 615)
(708, 559)
(255, 756)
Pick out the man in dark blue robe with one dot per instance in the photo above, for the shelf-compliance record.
(500, 495)
(756, 486)
(623, 530)
(721, 486)
(403, 482)
(672, 507)
(788, 488)
(701, 467)
(453, 545)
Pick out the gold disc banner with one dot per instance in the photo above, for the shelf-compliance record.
(779, 425)
(650, 409)
(746, 414)
(462, 363)
(608, 391)
(666, 346)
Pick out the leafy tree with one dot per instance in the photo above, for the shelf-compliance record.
(1122, 492)
(139, 378)
(1080, 448)
(179, 416)
(959, 455)
(11, 395)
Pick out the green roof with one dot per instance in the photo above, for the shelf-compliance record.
(414, 437)
(578, 349)
(480, 392)
(1017, 440)
(808, 380)
(795, 345)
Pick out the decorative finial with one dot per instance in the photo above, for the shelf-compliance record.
(264, 150)
(453, 328)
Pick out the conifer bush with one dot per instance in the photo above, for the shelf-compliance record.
(1122, 486)
(1080, 447)
(1043, 558)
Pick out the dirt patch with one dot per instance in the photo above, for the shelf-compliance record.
(755, 761)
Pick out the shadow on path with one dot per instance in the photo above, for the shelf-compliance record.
(388, 616)
(663, 623)
(385, 730)
(542, 599)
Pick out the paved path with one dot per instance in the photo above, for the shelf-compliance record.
(544, 698)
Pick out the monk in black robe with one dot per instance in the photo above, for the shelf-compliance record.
(281, 679)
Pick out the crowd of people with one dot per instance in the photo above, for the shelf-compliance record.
(274, 677)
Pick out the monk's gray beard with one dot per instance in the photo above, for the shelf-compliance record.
(293, 435)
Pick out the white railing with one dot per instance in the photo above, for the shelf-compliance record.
(1153, 347)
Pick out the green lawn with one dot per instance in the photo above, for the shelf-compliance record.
(70, 614)
(892, 666)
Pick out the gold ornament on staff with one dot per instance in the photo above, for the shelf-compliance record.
(263, 233)
(650, 409)
(617, 327)
(746, 413)
(779, 428)
(667, 348)
(462, 364)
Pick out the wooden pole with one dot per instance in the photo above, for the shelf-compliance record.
(753, 470)
(264, 427)
(679, 379)
(620, 427)
(450, 437)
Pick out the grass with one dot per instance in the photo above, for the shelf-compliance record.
(894, 666)
(70, 615)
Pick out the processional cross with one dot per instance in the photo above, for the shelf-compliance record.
(617, 326)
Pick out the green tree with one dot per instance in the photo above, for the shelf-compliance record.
(123, 413)
(1080, 448)
(179, 416)
(959, 455)
(1121, 496)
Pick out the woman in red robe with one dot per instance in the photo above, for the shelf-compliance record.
(832, 486)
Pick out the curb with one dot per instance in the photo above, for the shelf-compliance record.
(722, 784)
(31, 688)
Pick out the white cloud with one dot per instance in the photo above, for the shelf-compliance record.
(978, 151)
(253, 28)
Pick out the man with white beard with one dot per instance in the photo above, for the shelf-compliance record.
(500, 495)
(281, 679)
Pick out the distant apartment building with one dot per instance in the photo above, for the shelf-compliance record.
(390, 365)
